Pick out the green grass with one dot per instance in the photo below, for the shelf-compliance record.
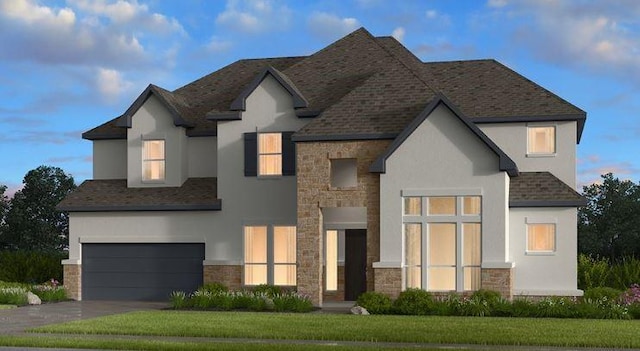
(418, 329)
(128, 344)
(6, 307)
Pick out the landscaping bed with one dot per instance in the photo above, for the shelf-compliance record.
(16, 294)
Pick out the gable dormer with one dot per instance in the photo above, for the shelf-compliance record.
(156, 141)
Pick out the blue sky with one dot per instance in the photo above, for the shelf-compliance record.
(68, 66)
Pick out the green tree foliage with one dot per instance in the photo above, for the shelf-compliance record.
(609, 226)
(32, 222)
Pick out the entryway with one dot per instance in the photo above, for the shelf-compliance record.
(355, 263)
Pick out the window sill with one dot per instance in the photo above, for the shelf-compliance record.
(160, 181)
(540, 253)
(541, 155)
(343, 188)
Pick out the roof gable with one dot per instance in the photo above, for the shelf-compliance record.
(505, 162)
(165, 97)
(239, 104)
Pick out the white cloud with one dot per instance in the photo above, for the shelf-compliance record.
(497, 3)
(217, 44)
(254, 16)
(602, 37)
(331, 26)
(398, 33)
(111, 84)
(437, 19)
(29, 12)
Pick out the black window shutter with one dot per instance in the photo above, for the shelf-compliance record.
(288, 155)
(250, 154)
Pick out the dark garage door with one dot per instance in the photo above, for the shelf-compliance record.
(140, 271)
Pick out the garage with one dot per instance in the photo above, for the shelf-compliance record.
(140, 271)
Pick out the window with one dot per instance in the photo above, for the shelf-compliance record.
(541, 140)
(153, 160)
(331, 261)
(269, 154)
(270, 255)
(541, 237)
(442, 244)
(344, 173)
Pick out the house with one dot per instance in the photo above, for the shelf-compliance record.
(356, 168)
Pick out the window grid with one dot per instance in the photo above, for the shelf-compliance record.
(153, 160)
(270, 255)
(541, 140)
(463, 219)
(269, 154)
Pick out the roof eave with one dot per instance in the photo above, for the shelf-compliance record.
(548, 203)
(299, 101)
(125, 120)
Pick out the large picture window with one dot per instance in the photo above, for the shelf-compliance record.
(541, 140)
(270, 255)
(153, 160)
(541, 237)
(442, 242)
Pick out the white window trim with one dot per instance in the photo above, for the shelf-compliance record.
(424, 219)
(555, 140)
(541, 220)
(281, 153)
(143, 160)
(270, 251)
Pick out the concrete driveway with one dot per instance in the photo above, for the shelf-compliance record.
(17, 320)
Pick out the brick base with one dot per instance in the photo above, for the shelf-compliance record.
(498, 279)
(72, 281)
(230, 276)
(388, 281)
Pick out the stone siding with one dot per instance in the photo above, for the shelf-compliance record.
(314, 193)
(498, 279)
(388, 281)
(229, 275)
(73, 281)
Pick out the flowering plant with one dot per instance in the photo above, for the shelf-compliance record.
(631, 296)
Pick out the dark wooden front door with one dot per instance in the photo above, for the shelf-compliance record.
(355, 263)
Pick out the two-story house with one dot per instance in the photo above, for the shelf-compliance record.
(356, 168)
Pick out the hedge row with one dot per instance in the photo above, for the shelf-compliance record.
(30, 267)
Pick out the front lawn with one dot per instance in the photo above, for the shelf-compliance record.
(417, 329)
(6, 307)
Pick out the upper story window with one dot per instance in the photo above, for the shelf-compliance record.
(344, 173)
(269, 154)
(153, 160)
(541, 237)
(541, 140)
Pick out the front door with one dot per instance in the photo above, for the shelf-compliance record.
(355, 263)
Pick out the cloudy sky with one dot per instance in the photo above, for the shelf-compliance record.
(67, 66)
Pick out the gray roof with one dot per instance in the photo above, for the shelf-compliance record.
(196, 194)
(361, 87)
(542, 189)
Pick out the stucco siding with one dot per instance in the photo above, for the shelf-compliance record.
(202, 156)
(545, 273)
(512, 139)
(109, 159)
(443, 157)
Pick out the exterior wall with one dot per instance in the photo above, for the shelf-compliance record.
(72, 275)
(109, 159)
(202, 154)
(389, 281)
(443, 157)
(545, 274)
(315, 193)
(498, 279)
(512, 139)
(229, 275)
(153, 121)
(253, 200)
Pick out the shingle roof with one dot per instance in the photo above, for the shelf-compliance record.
(367, 87)
(196, 194)
(542, 189)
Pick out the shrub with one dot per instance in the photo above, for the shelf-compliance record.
(214, 288)
(13, 296)
(30, 267)
(413, 302)
(491, 297)
(242, 299)
(634, 310)
(179, 300)
(523, 308)
(269, 290)
(625, 273)
(556, 307)
(261, 302)
(292, 302)
(50, 291)
(631, 296)
(602, 292)
(475, 306)
(375, 302)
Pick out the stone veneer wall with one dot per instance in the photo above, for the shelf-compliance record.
(498, 279)
(314, 193)
(229, 275)
(72, 277)
(389, 281)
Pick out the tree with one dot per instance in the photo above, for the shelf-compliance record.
(32, 222)
(609, 226)
(4, 208)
